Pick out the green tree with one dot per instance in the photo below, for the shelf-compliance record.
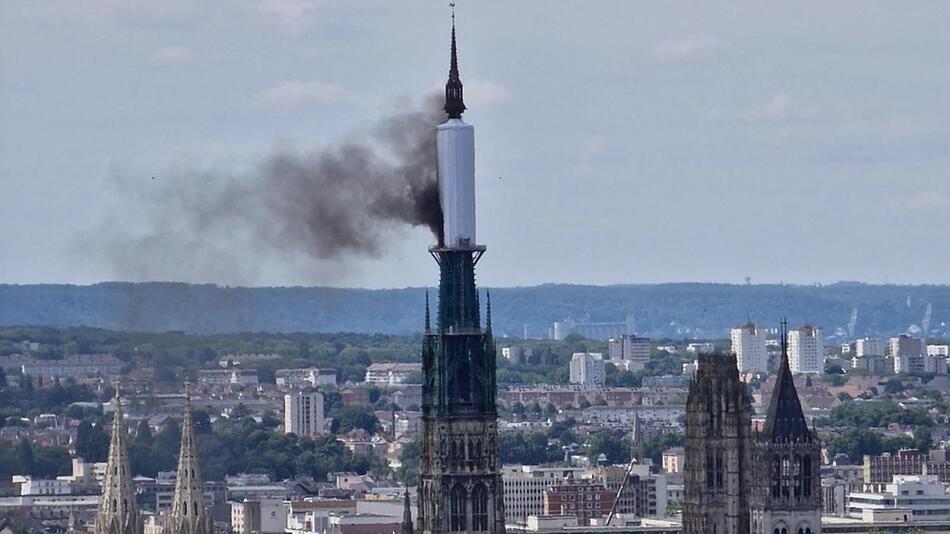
(923, 440)
(609, 444)
(202, 421)
(409, 458)
(893, 386)
(92, 443)
(24, 457)
(530, 448)
(350, 417)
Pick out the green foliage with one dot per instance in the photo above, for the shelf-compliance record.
(410, 457)
(615, 447)
(92, 442)
(620, 377)
(893, 386)
(23, 458)
(349, 417)
(876, 414)
(923, 441)
(653, 446)
(27, 397)
(229, 447)
(527, 448)
(857, 442)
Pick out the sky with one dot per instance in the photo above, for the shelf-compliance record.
(616, 141)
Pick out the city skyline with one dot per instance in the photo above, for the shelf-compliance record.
(769, 138)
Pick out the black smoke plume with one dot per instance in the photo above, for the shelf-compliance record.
(327, 205)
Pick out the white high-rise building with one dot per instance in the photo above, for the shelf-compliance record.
(869, 346)
(748, 344)
(525, 486)
(806, 349)
(587, 368)
(909, 354)
(303, 413)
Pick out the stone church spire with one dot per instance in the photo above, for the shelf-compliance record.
(407, 515)
(118, 513)
(787, 484)
(188, 514)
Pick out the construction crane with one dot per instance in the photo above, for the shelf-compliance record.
(623, 484)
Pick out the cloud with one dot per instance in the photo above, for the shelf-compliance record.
(288, 16)
(781, 107)
(486, 93)
(298, 92)
(927, 200)
(689, 49)
(778, 108)
(173, 55)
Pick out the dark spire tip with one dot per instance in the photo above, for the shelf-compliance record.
(454, 104)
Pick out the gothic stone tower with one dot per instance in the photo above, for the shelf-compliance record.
(718, 450)
(188, 514)
(787, 490)
(118, 513)
(460, 487)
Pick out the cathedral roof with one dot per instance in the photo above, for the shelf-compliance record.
(785, 421)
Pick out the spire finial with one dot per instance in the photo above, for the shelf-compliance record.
(785, 339)
(454, 105)
(407, 527)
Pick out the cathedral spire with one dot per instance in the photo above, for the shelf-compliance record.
(785, 421)
(454, 105)
(407, 527)
(188, 514)
(488, 310)
(117, 512)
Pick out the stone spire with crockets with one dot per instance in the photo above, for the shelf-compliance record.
(188, 514)
(118, 513)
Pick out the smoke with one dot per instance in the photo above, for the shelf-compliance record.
(308, 209)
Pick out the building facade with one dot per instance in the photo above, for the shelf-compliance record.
(806, 350)
(586, 500)
(748, 344)
(868, 346)
(303, 413)
(313, 376)
(718, 451)
(587, 368)
(922, 497)
(525, 486)
(391, 374)
(908, 354)
(460, 484)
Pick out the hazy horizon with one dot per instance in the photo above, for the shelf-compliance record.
(794, 142)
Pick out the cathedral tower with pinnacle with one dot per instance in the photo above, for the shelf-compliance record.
(460, 486)
(718, 449)
(188, 514)
(787, 490)
(118, 513)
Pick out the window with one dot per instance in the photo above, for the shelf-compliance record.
(776, 480)
(806, 478)
(480, 509)
(457, 509)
